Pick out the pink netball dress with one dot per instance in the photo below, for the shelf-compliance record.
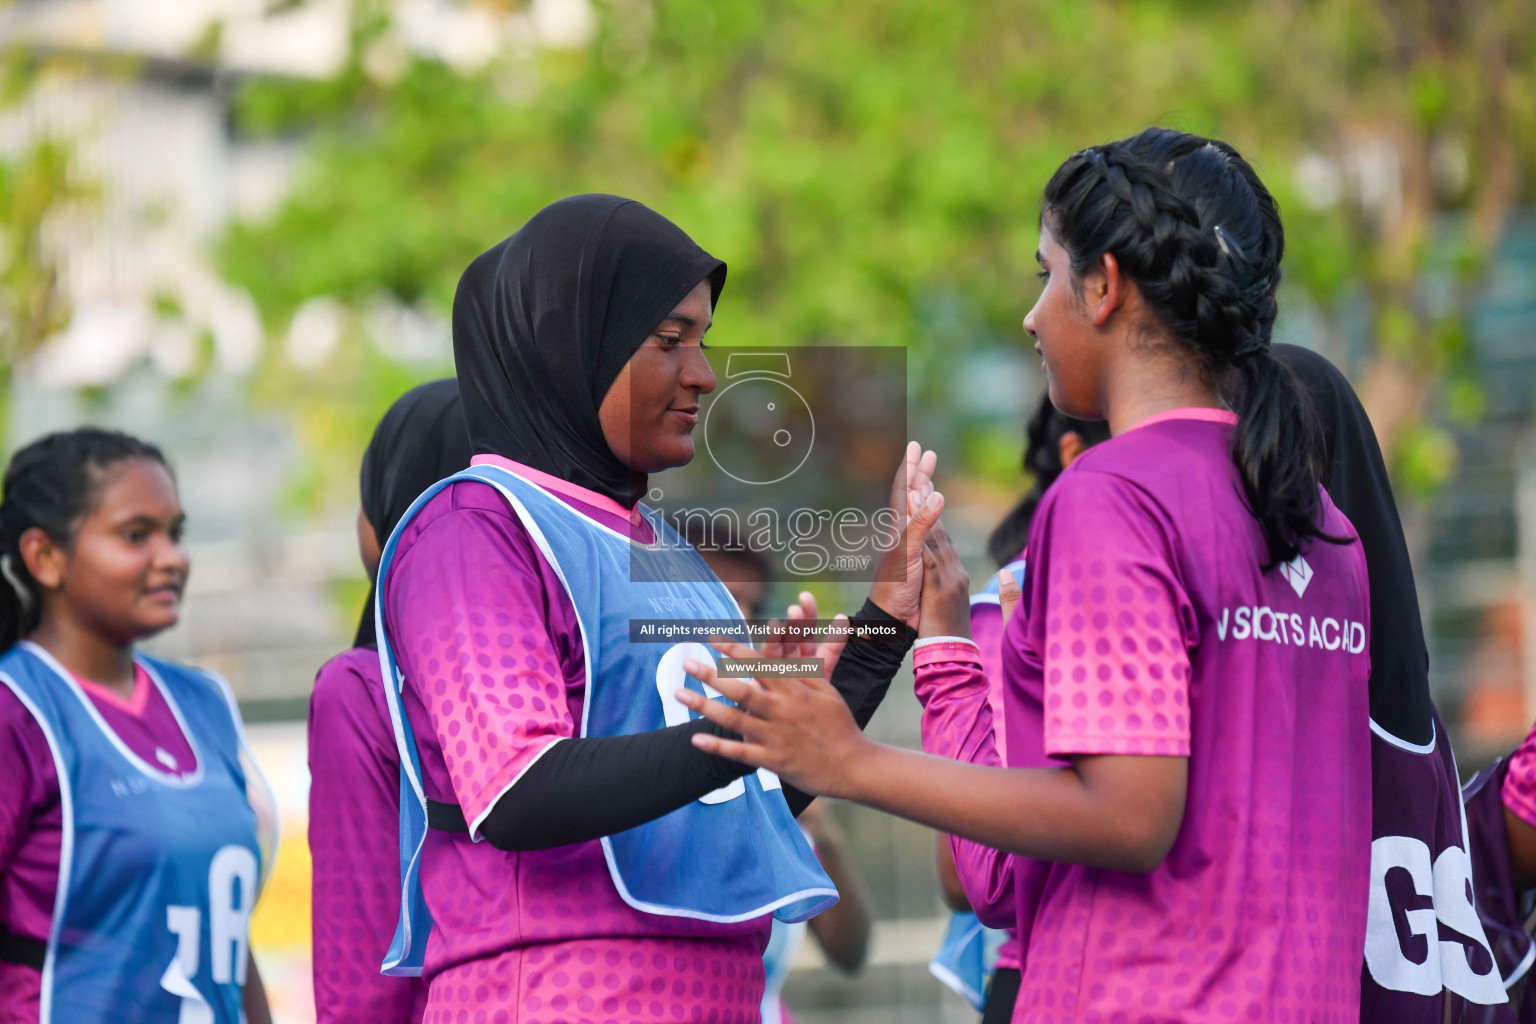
(354, 815)
(543, 936)
(1149, 626)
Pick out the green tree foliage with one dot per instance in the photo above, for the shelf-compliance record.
(35, 182)
(871, 170)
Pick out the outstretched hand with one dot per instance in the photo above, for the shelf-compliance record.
(787, 639)
(915, 506)
(946, 601)
(798, 728)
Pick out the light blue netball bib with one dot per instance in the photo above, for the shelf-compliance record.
(157, 873)
(967, 957)
(732, 855)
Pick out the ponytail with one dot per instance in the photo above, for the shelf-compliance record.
(1190, 222)
(1278, 450)
(50, 485)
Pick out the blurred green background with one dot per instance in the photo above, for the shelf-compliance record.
(235, 226)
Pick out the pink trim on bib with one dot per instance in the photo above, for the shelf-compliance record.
(134, 703)
(553, 483)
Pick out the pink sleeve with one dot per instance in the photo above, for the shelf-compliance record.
(1115, 647)
(470, 621)
(987, 631)
(354, 822)
(1519, 790)
(957, 723)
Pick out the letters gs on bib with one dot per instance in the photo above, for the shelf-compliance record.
(1422, 932)
(1260, 622)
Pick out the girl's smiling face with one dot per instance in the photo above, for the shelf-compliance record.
(121, 575)
(651, 409)
(1066, 333)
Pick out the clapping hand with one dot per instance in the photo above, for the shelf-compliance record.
(916, 506)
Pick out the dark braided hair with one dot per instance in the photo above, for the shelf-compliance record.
(51, 484)
(1042, 460)
(1190, 222)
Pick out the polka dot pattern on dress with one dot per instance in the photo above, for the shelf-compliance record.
(1519, 792)
(1257, 911)
(603, 981)
(496, 663)
(1116, 667)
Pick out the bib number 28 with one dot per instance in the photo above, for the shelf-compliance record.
(670, 678)
(231, 897)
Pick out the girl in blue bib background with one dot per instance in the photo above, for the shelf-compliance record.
(129, 852)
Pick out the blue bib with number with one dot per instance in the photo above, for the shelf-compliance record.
(157, 873)
(732, 855)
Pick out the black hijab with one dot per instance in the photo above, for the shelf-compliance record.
(1356, 479)
(544, 322)
(420, 440)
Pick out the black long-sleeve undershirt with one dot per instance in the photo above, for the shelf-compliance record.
(582, 789)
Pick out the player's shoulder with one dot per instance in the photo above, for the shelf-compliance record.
(1095, 486)
(346, 682)
(356, 667)
(463, 498)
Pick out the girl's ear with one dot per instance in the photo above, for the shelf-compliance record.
(44, 559)
(1070, 447)
(1105, 289)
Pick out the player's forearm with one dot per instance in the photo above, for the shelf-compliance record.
(1522, 851)
(843, 929)
(1060, 814)
(254, 995)
(589, 787)
(863, 675)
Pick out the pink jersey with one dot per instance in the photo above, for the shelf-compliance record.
(493, 659)
(31, 819)
(1148, 627)
(1519, 791)
(354, 810)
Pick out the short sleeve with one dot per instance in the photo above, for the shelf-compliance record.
(1519, 792)
(468, 617)
(1112, 640)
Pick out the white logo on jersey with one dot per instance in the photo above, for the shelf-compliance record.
(1298, 574)
(1446, 884)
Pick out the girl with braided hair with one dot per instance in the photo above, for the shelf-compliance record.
(129, 850)
(1192, 639)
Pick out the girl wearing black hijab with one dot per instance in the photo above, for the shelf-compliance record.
(1427, 958)
(354, 794)
(624, 874)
